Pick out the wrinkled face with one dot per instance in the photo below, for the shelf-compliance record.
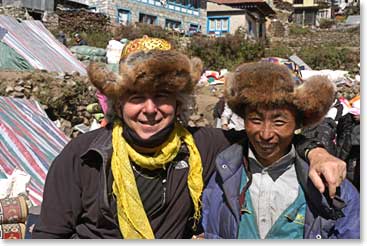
(270, 132)
(148, 113)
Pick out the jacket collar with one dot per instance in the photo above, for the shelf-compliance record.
(229, 166)
(277, 168)
(101, 145)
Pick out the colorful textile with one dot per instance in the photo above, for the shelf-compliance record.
(12, 231)
(290, 64)
(29, 141)
(32, 41)
(13, 210)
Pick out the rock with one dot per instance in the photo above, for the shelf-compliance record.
(80, 108)
(19, 88)
(9, 89)
(20, 82)
(18, 94)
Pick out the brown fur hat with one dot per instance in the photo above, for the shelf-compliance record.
(266, 83)
(148, 71)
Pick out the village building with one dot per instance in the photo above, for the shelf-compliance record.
(183, 15)
(213, 17)
(226, 16)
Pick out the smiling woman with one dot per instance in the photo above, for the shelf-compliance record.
(148, 113)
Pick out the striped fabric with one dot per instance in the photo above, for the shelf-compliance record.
(29, 141)
(31, 40)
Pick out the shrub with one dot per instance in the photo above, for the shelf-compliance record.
(225, 52)
(327, 23)
(279, 51)
(97, 39)
(297, 30)
(328, 57)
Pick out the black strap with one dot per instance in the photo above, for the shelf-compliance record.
(242, 198)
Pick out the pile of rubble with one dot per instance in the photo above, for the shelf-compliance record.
(64, 96)
(16, 12)
(283, 5)
(349, 91)
(82, 20)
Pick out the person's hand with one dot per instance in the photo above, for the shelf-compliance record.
(198, 237)
(332, 169)
(225, 126)
(357, 118)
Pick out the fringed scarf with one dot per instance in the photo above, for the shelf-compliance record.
(133, 221)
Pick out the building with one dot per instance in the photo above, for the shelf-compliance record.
(35, 7)
(179, 14)
(309, 12)
(226, 16)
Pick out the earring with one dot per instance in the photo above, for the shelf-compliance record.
(297, 131)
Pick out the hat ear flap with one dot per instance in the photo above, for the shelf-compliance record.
(232, 96)
(196, 68)
(108, 83)
(314, 98)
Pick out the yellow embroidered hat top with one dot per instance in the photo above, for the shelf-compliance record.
(144, 44)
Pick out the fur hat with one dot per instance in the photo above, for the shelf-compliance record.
(265, 83)
(151, 70)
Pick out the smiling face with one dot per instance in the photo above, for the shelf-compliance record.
(270, 131)
(148, 113)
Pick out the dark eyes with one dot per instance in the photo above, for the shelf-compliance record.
(135, 99)
(258, 121)
(255, 120)
(161, 95)
(141, 98)
(279, 122)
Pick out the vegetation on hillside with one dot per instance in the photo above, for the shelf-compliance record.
(315, 48)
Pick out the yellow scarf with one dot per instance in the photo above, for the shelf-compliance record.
(133, 221)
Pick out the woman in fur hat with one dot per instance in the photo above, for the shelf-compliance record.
(260, 189)
(141, 176)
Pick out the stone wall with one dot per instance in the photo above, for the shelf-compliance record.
(110, 7)
(16, 12)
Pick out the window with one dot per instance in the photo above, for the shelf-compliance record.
(147, 19)
(211, 24)
(260, 30)
(218, 25)
(225, 24)
(123, 16)
(190, 3)
(173, 23)
(92, 9)
(250, 27)
(298, 2)
(195, 28)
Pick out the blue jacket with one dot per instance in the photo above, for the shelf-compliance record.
(325, 218)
